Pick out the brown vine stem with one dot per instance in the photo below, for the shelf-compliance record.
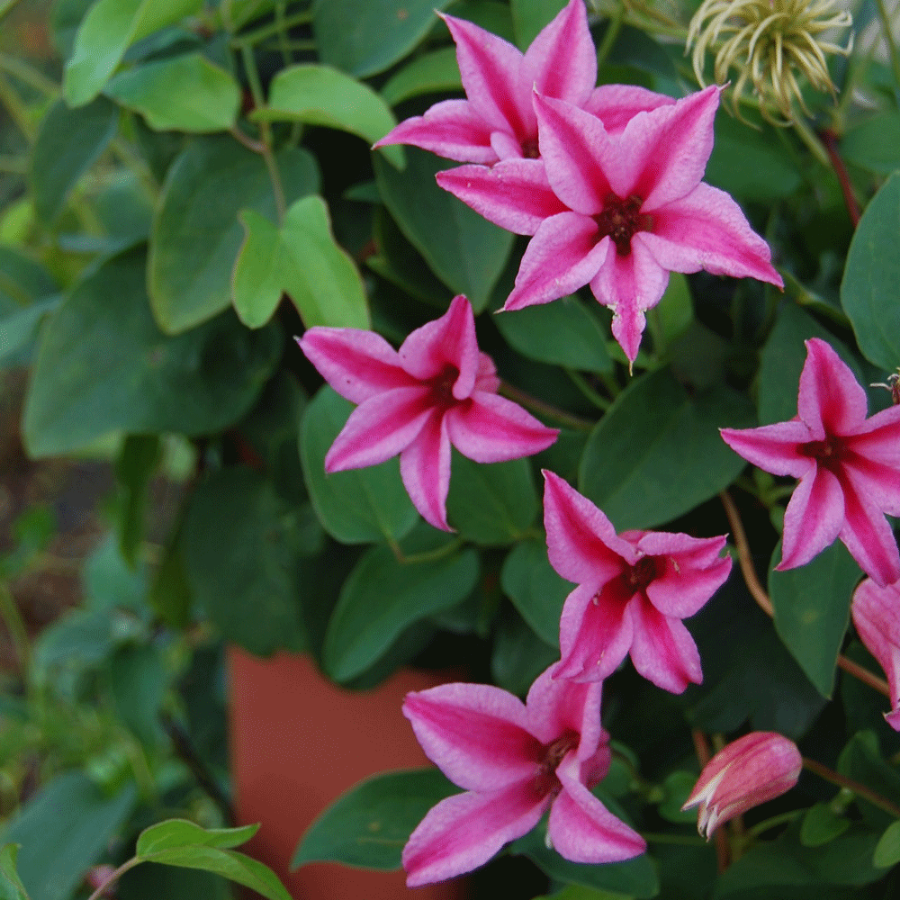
(763, 600)
(552, 412)
(829, 139)
(720, 840)
(859, 789)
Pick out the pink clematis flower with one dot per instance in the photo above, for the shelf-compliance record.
(616, 210)
(876, 615)
(751, 770)
(848, 466)
(633, 591)
(497, 120)
(514, 760)
(437, 390)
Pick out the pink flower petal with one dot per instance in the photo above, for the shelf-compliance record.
(447, 344)
(630, 285)
(491, 429)
(563, 256)
(831, 400)
(357, 364)
(868, 536)
(465, 831)
(574, 144)
(492, 72)
(583, 830)
(595, 632)
(556, 706)
(773, 448)
(687, 576)
(663, 650)
(514, 194)
(425, 470)
(876, 615)
(451, 129)
(707, 230)
(562, 60)
(475, 733)
(667, 150)
(617, 104)
(379, 429)
(813, 518)
(581, 542)
(878, 438)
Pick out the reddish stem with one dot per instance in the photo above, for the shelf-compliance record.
(829, 140)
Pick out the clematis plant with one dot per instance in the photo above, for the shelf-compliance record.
(616, 211)
(633, 591)
(751, 770)
(514, 761)
(437, 390)
(847, 464)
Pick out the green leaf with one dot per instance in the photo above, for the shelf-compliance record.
(68, 143)
(106, 32)
(535, 589)
(464, 250)
(135, 466)
(196, 233)
(344, 31)
(369, 825)
(871, 277)
(887, 850)
(863, 761)
(657, 453)
(742, 152)
(782, 360)
(812, 608)
(138, 681)
(491, 504)
(302, 260)
(104, 366)
(382, 597)
(185, 93)
(431, 73)
(321, 95)
(563, 333)
(241, 552)
(874, 144)
(635, 877)
(63, 830)
(358, 506)
(175, 833)
(530, 16)
(11, 887)
(518, 655)
(20, 328)
(821, 825)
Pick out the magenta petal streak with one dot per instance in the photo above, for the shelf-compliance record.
(876, 616)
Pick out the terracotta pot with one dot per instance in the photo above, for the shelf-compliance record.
(297, 743)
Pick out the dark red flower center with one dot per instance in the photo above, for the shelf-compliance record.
(552, 755)
(639, 576)
(442, 386)
(827, 453)
(620, 219)
(530, 148)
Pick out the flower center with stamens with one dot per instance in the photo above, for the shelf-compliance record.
(827, 452)
(545, 781)
(620, 220)
(530, 149)
(639, 576)
(442, 386)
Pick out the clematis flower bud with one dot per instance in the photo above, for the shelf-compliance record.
(757, 767)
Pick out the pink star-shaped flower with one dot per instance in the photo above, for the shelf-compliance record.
(514, 760)
(633, 591)
(437, 390)
(848, 466)
(876, 615)
(497, 121)
(616, 210)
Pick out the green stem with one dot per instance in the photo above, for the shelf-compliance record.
(892, 49)
(17, 110)
(273, 28)
(587, 389)
(812, 142)
(684, 840)
(552, 412)
(609, 37)
(774, 821)
(427, 555)
(859, 789)
(12, 618)
(28, 74)
(114, 877)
